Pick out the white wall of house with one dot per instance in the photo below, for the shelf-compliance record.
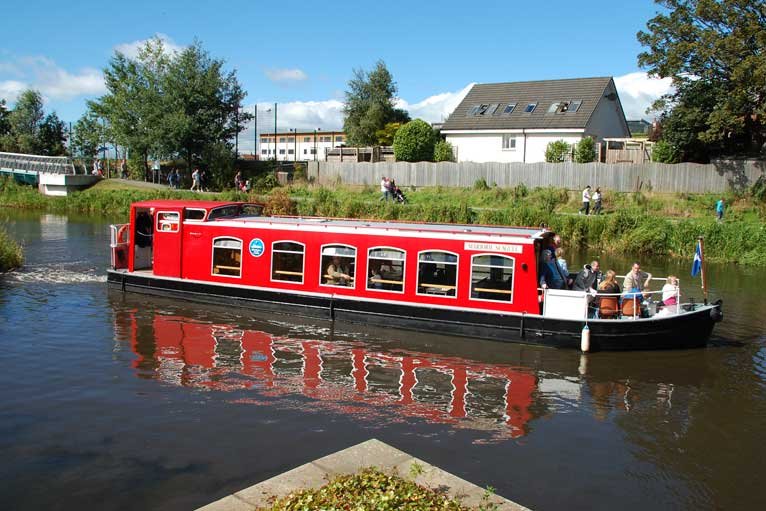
(288, 149)
(608, 119)
(495, 147)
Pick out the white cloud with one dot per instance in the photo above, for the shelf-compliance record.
(638, 91)
(131, 49)
(284, 76)
(435, 108)
(44, 75)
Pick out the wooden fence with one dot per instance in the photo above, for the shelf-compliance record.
(624, 177)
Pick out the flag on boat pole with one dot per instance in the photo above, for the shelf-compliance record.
(697, 264)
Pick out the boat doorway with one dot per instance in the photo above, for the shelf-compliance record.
(143, 239)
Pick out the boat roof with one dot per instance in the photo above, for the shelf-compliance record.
(346, 223)
(178, 203)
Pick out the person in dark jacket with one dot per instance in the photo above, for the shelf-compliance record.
(588, 278)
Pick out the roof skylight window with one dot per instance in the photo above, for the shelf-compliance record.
(509, 108)
(574, 105)
(530, 108)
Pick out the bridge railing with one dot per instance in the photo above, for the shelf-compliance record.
(34, 163)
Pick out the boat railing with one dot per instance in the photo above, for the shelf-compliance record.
(643, 301)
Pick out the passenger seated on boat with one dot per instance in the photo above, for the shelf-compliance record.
(637, 278)
(609, 306)
(375, 276)
(338, 273)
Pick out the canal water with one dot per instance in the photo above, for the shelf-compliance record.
(133, 402)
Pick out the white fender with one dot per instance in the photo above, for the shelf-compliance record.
(585, 339)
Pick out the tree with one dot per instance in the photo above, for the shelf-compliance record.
(89, 134)
(717, 47)
(585, 151)
(52, 136)
(443, 151)
(134, 105)
(386, 135)
(664, 152)
(25, 120)
(370, 105)
(557, 151)
(5, 126)
(414, 142)
(203, 106)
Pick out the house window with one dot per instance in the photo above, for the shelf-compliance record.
(530, 108)
(509, 142)
(554, 107)
(305, 151)
(509, 108)
(281, 151)
(281, 139)
(265, 140)
(338, 265)
(492, 108)
(313, 151)
(339, 139)
(227, 257)
(492, 278)
(574, 106)
(437, 273)
(307, 139)
(167, 221)
(287, 261)
(385, 269)
(290, 151)
(482, 109)
(474, 110)
(291, 139)
(264, 151)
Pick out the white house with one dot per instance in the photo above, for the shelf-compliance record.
(299, 145)
(514, 122)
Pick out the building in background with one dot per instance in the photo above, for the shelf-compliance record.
(300, 145)
(514, 122)
(639, 128)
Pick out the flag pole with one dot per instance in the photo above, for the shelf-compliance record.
(701, 240)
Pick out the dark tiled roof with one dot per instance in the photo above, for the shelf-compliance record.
(543, 92)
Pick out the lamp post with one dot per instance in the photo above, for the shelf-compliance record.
(315, 143)
(255, 132)
(236, 140)
(275, 132)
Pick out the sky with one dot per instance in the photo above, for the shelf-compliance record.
(301, 54)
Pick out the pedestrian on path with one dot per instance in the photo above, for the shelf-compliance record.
(196, 184)
(597, 201)
(720, 206)
(585, 201)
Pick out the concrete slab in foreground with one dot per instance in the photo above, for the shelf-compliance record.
(372, 453)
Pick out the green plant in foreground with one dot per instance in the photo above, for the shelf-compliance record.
(11, 254)
(369, 489)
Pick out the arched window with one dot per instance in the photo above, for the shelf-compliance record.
(338, 265)
(287, 261)
(227, 257)
(492, 277)
(437, 273)
(385, 269)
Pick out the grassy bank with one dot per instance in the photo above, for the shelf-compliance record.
(11, 255)
(633, 223)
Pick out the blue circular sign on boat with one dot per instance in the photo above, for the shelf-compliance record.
(256, 247)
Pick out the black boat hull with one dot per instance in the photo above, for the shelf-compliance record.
(687, 330)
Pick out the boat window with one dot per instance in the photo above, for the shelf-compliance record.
(386, 269)
(167, 221)
(251, 210)
(194, 215)
(227, 257)
(287, 261)
(437, 273)
(338, 265)
(224, 211)
(492, 277)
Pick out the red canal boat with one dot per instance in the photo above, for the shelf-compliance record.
(468, 280)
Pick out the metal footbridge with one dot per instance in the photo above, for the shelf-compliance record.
(53, 175)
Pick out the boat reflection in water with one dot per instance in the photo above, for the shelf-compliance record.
(345, 376)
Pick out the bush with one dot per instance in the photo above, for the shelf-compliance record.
(585, 151)
(279, 203)
(664, 152)
(557, 151)
(443, 151)
(414, 142)
(11, 255)
(299, 173)
(480, 184)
